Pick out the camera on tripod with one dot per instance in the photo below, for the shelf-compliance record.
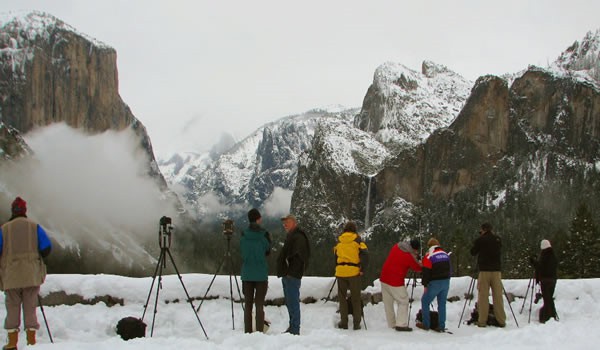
(165, 228)
(228, 228)
(538, 296)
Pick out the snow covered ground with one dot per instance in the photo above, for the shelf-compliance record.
(93, 326)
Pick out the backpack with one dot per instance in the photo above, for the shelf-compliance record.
(491, 321)
(131, 327)
(434, 318)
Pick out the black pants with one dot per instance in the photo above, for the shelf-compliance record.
(254, 294)
(548, 309)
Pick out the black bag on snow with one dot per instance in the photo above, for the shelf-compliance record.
(491, 321)
(131, 327)
(434, 318)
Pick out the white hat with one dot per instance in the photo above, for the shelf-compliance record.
(545, 244)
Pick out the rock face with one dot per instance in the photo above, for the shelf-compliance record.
(402, 106)
(49, 73)
(12, 146)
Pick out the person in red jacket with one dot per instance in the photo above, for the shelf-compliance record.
(402, 256)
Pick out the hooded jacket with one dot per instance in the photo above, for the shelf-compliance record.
(255, 245)
(351, 255)
(399, 260)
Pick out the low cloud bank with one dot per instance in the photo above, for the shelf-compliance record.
(84, 189)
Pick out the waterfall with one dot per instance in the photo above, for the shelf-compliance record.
(368, 204)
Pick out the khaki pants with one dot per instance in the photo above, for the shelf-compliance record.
(391, 296)
(17, 298)
(486, 280)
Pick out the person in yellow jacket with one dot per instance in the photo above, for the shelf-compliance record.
(351, 259)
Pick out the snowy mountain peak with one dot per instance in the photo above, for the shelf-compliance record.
(582, 57)
(403, 106)
(32, 25)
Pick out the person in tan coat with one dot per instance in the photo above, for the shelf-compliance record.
(23, 244)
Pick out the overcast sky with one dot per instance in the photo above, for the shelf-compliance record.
(190, 70)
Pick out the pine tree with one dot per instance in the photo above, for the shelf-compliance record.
(580, 256)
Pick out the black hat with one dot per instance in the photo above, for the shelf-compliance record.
(253, 215)
(415, 244)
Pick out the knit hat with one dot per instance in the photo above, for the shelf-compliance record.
(19, 206)
(415, 244)
(253, 215)
(432, 242)
(545, 244)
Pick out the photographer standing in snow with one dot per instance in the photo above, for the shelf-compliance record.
(487, 247)
(23, 244)
(545, 275)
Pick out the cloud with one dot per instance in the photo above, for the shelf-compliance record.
(84, 188)
(278, 202)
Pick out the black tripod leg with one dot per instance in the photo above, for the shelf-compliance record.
(186, 293)
(158, 287)
(531, 302)
(469, 293)
(525, 298)
(330, 290)
(210, 285)
(45, 320)
(152, 285)
(510, 306)
(412, 291)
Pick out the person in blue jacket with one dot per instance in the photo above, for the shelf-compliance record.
(255, 246)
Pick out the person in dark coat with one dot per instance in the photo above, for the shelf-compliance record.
(487, 247)
(545, 275)
(255, 246)
(291, 265)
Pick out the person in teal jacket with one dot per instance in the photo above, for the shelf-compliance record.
(255, 246)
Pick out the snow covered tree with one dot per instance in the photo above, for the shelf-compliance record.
(581, 257)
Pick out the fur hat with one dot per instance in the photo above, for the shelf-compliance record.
(19, 206)
(545, 244)
(432, 241)
(253, 215)
(415, 244)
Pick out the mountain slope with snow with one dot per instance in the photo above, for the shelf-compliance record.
(253, 169)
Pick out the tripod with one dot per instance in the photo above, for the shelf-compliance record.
(228, 232)
(530, 285)
(164, 240)
(470, 293)
(412, 291)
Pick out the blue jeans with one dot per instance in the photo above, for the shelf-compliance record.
(439, 289)
(291, 293)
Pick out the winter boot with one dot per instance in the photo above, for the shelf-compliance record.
(30, 336)
(13, 339)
